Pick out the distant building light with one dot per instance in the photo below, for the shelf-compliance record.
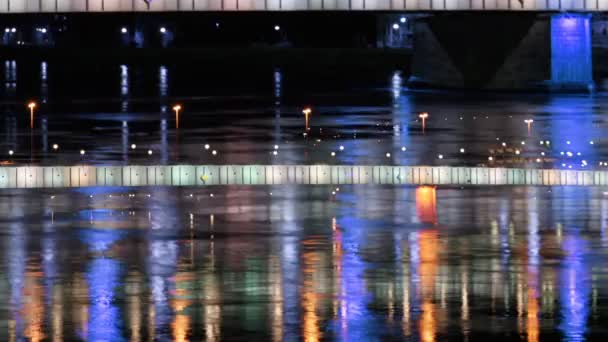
(403, 20)
(7, 30)
(124, 30)
(277, 27)
(395, 26)
(13, 30)
(163, 30)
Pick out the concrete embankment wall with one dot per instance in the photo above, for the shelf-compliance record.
(200, 175)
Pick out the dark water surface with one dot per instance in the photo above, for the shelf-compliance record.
(243, 113)
(290, 263)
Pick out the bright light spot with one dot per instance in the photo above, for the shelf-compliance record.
(55, 146)
(207, 146)
(133, 146)
(214, 152)
(569, 154)
(341, 148)
(82, 152)
(388, 155)
(13, 30)
(149, 152)
(440, 156)
(43, 30)
(11, 152)
(276, 147)
(542, 142)
(163, 30)
(591, 142)
(403, 20)
(461, 150)
(542, 153)
(210, 195)
(403, 148)
(578, 153)
(523, 142)
(333, 154)
(504, 144)
(333, 192)
(395, 26)
(123, 30)
(7, 30)
(490, 158)
(538, 160)
(568, 142)
(274, 152)
(517, 152)
(277, 27)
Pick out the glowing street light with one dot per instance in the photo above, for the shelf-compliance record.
(176, 109)
(55, 147)
(529, 123)
(82, 152)
(423, 116)
(307, 111)
(31, 106)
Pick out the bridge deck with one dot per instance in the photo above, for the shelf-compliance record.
(202, 175)
(64, 6)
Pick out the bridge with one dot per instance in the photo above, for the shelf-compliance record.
(33, 177)
(94, 6)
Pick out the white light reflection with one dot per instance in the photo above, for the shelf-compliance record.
(44, 88)
(124, 86)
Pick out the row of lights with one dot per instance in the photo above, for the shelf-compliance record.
(14, 29)
(162, 30)
(402, 20)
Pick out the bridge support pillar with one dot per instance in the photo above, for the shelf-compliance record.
(503, 51)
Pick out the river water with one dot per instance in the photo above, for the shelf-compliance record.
(358, 263)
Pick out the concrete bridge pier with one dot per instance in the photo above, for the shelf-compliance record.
(503, 51)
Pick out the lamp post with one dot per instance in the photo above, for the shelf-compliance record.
(31, 106)
(306, 113)
(176, 109)
(529, 123)
(423, 116)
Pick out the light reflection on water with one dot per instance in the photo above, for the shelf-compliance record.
(88, 107)
(369, 263)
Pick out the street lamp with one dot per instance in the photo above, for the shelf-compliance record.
(176, 109)
(529, 123)
(55, 147)
(31, 106)
(423, 116)
(307, 111)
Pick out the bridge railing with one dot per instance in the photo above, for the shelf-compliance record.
(202, 175)
(61, 6)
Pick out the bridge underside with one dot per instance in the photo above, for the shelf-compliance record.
(503, 51)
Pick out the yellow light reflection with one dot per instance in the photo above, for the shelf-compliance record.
(428, 246)
(310, 299)
(33, 307)
(426, 204)
(181, 322)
